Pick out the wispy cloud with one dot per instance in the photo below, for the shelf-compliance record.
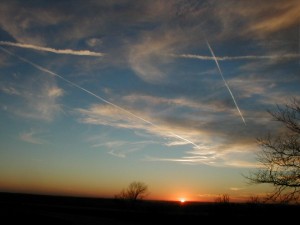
(122, 148)
(31, 137)
(41, 104)
(213, 147)
(236, 189)
(171, 103)
(109, 116)
(287, 15)
(37, 98)
(146, 57)
(215, 154)
(10, 90)
(148, 52)
(212, 159)
(205, 159)
(53, 50)
(256, 18)
(116, 107)
(231, 58)
(206, 147)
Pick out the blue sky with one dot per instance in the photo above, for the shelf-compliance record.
(96, 94)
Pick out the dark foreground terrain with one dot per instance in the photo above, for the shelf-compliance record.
(40, 209)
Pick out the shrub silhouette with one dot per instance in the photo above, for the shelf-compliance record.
(135, 191)
(224, 199)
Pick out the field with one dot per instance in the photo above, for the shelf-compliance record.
(41, 209)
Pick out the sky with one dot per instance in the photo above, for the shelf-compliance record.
(97, 94)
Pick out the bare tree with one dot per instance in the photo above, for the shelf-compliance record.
(135, 191)
(223, 198)
(280, 156)
(255, 200)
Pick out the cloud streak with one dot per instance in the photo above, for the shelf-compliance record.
(146, 57)
(122, 148)
(216, 148)
(288, 56)
(30, 137)
(53, 50)
(100, 98)
(36, 98)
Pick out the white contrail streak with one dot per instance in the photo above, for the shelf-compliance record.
(53, 50)
(243, 57)
(96, 96)
(227, 86)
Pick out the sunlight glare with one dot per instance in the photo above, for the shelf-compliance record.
(182, 200)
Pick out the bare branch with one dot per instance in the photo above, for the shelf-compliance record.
(135, 191)
(280, 156)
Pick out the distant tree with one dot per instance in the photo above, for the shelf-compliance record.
(254, 200)
(223, 198)
(280, 156)
(135, 191)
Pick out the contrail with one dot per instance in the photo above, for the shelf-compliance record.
(227, 86)
(96, 96)
(231, 58)
(53, 50)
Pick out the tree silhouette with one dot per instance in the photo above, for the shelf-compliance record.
(254, 200)
(280, 156)
(223, 198)
(135, 191)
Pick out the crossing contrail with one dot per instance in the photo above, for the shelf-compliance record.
(227, 86)
(96, 96)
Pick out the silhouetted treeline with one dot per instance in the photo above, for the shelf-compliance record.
(40, 209)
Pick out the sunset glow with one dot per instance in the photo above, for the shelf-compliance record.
(97, 94)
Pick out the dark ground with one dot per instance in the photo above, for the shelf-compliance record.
(40, 209)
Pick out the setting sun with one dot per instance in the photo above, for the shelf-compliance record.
(182, 200)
